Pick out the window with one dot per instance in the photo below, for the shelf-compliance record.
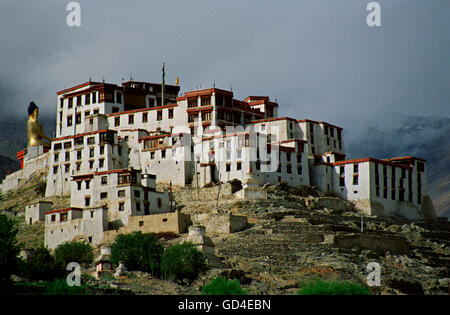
(170, 113)
(288, 156)
(299, 170)
(67, 168)
(79, 185)
(91, 140)
(239, 166)
(79, 100)
(420, 166)
(137, 193)
(141, 223)
(159, 115)
(130, 119)
(121, 206)
(159, 202)
(144, 117)
(355, 180)
(79, 154)
(115, 109)
(56, 157)
(104, 180)
(87, 99)
(163, 154)
(138, 206)
(205, 101)
(69, 120)
(342, 181)
(152, 155)
(119, 97)
(94, 97)
(63, 217)
(102, 149)
(57, 146)
(70, 102)
(355, 168)
(289, 169)
(121, 193)
(61, 103)
(192, 103)
(91, 152)
(117, 121)
(206, 116)
(91, 164)
(87, 201)
(53, 219)
(228, 167)
(326, 131)
(101, 163)
(88, 183)
(145, 195)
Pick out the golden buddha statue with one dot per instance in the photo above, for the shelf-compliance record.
(35, 133)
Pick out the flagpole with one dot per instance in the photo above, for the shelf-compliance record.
(163, 84)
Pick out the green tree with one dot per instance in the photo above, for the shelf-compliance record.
(138, 251)
(183, 262)
(9, 250)
(41, 266)
(332, 287)
(74, 251)
(222, 286)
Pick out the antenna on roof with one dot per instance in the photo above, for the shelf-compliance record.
(231, 86)
(90, 78)
(214, 83)
(103, 79)
(131, 76)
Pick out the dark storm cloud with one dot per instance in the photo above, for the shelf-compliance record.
(319, 58)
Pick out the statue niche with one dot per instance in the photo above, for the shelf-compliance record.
(35, 134)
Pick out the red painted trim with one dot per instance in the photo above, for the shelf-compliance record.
(84, 134)
(125, 170)
(63, 210)
(142, 110)
(363, 160)
(272, 119)
(76, 87)
(319, 123)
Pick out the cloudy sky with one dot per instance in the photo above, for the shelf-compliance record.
(319, 58)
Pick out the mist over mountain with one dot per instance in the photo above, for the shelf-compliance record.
(420, 136)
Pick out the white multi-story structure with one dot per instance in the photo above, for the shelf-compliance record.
(115, 143)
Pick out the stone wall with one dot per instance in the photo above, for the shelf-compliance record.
(378, 243)
(220, 223)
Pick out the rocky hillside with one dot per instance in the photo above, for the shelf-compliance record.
(297, 234)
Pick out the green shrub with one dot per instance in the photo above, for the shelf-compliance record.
(60, 287)
(222, 286)
(74, 251)
(41, 266)
(333, 287)
(9, 251)
(138, 251)
(183, 262)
